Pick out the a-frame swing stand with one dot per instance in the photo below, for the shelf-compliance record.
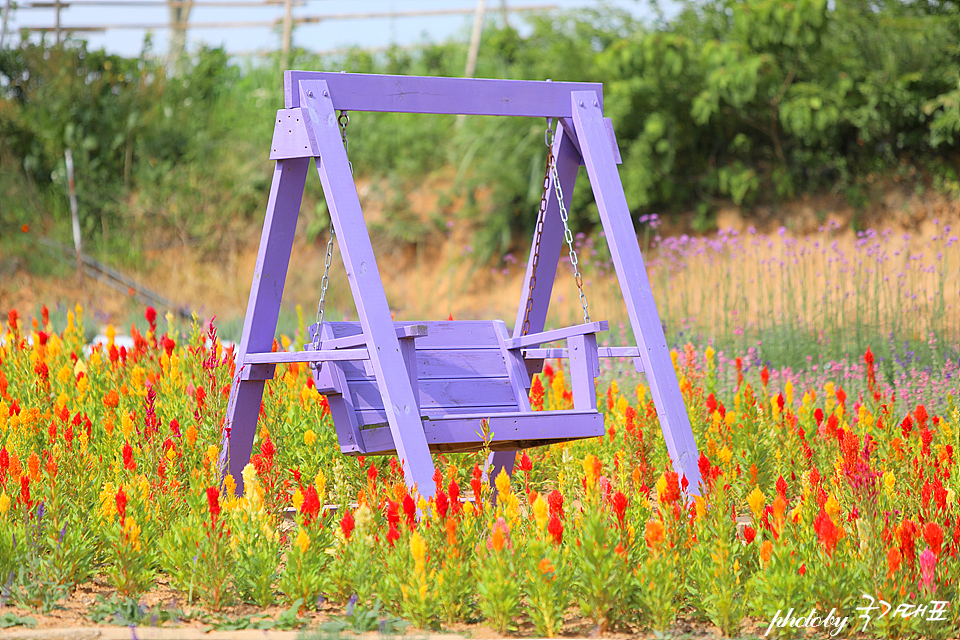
(414, 388)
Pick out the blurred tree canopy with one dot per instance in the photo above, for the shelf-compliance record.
(730, 100)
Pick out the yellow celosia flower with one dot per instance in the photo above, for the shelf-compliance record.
(4, 503)
(320, 482)
(788, 393)
(297, 499)
(229, 484)
(144, 485)
(212, 453)
(64, 375)
(126, 426)
(309, 437)
(756, 500)
(614, 388)
(303, 541)
(111, 334)
(131, 531)
(418, 549)
(503, 483)
(889, 481)
(82, 386)
(832, 507)
(541, 512)
(709, 352)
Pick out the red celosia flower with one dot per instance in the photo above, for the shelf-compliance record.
(827, 531)
(894, 558)
(555, 529)
(213, 502)
(711, 403)
(347, 524)
(25, 490)
(906, 426)
(672, 493)
(703, 463)
(536, 394)
(121, 500)
(619, 504)
(4, 464)
(128, 462)
(555, 501)
(933, 534)
(749, 534)
(920, 415)
(548, 371)
(442, 503)
(782, 488)
(151, 315)
(310, 507)
(907, 533)
(630, 418)
(410, 509)
(926, 437)
(525, 464)
(392, 534)
(168, 345)
(372, 474)
(765, 376)
(453, 489)
(393, 513)
(437, 479)
(841, 396)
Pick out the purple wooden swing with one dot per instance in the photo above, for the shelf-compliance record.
(413, 388)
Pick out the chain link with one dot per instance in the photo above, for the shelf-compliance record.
(541, 215)
(343, 120)
(568, 236)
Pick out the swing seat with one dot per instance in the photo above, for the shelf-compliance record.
(463, 372)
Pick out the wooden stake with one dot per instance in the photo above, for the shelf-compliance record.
(74, 211)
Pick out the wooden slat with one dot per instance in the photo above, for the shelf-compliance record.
(444, 364)
(278, 357)
(418, 94)
(515, 430)
(475, 392)
(603, 352)
(456, 334)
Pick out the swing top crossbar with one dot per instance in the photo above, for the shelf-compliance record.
(457, 96)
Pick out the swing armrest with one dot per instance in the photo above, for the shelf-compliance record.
(536, 339)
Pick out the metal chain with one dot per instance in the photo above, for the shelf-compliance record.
(568, 236)
(343, 120)
(541, 215)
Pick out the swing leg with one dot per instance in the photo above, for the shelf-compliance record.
(635, 285)
(263, 310)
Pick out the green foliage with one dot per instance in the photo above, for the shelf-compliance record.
(731, 100)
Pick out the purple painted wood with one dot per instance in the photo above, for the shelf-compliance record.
(516, 368)
(263, 309)
(419, 94)
(583, 370)
(342, 409)
(363, 275)
(634, 284)
(602, 352)
(278, 357)
(293, 135)
(533, 339)
(464, 392)
(513, 431)
(567, 125)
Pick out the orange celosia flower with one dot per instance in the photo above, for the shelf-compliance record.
(654, 534)
(591, 469)
(497, 540)
(546, 566)
(451, 527)
(16, 468)
(111, 400)
(894, 558)
(765, 550)
(33, 464)
(779, 507)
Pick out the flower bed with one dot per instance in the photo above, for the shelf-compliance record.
(819, 498)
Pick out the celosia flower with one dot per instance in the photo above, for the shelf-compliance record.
(392, 534)
(309, 437)
(894, 558)
(418, 550)
(536, 394)
(933, 534)
(213, 503)
(756, 500)
(347, 524)
(111, 400)
(121, 500)
(654, 534)
(128, 462)
(928, 563)
(451, 528)
(541, 512)
(779, 507)
(668, 488)
(4, 503)
(441, 503)
(619, 503)
(555, 529)
(303, 541)
(33, 466)
(555, 500)
(310, 506)
(546, 567)
(591, 469)
(749, 534)
(410, 509)
(502, 483)
(297, 499)
(766, 549)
